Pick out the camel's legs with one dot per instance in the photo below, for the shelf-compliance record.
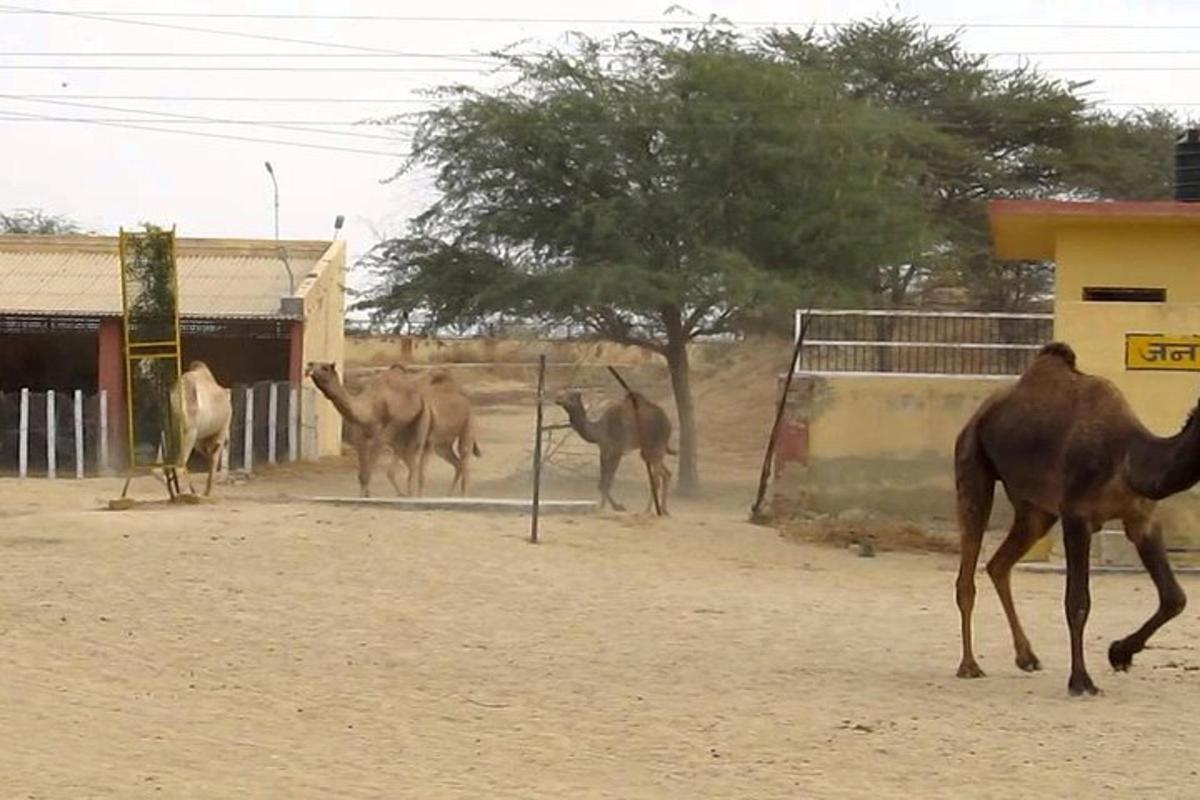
(976, 490)
(1171, 599)
(609, 461)
(664, 480)
(422, 454)
(1029, 525)
(214, 458)
(391, 474)
(1077, 541)
(466, 448)
(368, 454)
(446, 451)
(652, 477)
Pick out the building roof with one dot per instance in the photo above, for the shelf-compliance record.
(218, 278)
(1026, 229)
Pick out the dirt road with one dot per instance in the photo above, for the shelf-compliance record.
(261, 646)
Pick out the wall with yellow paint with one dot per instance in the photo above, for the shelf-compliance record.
(1144, 256)
(883, 443)
(324, 310)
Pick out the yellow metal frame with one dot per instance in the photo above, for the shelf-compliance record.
(173, 347)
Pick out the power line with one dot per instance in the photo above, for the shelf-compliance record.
(220, 98)
(261, 122)
(179, 68)
(113, 18)
(481, 57)
(227, 136)
(431, 102)
(127, 16)
(177, 118)
(235, 54)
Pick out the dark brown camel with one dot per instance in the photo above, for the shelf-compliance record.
(1067, 446)
(616, 433)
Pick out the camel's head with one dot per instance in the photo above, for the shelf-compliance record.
(569, 401)
(322, 372)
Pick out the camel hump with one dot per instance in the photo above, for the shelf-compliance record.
(1060, 350)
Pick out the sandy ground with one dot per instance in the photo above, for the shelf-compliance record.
(264, 646)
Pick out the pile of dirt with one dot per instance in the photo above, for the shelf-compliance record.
(881, 534)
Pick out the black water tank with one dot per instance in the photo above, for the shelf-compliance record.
(1187, 166)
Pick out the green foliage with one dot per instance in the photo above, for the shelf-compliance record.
(148, 274)
(984, 133)
(652, 191)
(32, 221)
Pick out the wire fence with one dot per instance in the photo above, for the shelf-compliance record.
(920, 342)
(56, 434)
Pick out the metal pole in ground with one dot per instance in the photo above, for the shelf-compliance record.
(756, 509)
(537, 451)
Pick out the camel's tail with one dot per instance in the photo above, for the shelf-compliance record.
(475, 449)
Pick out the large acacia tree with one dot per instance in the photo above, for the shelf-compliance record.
(653, 191)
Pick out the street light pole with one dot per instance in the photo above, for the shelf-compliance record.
(274, 183)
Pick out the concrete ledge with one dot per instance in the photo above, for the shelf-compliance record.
(1099, 569)
(500, 505)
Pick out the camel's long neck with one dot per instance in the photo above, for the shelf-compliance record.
(1160, 467)
(582, 425)
(346, 403)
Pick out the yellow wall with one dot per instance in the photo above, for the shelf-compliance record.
(324, 336)
(882, 442)
(1135, 255)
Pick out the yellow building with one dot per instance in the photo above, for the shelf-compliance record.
(1127, 299)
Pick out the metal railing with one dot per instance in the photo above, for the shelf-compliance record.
(910, 342)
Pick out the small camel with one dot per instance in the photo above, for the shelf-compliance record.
(1066, 445)
(389, 410)
(203, 411)
(451, 424)
(616, 432)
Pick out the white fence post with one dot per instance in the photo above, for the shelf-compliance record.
(103, 431)
(78, 434)
(23, 444)
(272, 420)
(51, 436)
(248, 438)
(293, 423)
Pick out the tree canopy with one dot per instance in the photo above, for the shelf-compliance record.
(36, 222)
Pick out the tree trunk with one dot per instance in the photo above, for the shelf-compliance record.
(677, 363)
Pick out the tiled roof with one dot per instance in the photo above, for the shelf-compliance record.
(218, 278)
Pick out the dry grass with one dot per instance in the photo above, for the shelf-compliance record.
(885, 535)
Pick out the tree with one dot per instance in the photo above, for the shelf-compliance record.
(997, 133)
(654, 192)
(37, 222)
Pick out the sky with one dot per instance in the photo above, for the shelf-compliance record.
(297, 74)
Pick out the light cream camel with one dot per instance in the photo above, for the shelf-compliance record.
(451, 433)
(616, 432)
(203, 412)
(389, 411)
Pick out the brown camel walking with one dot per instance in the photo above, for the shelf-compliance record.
(1067, 446)
(452, 427)
(616, 432)
(389, 410)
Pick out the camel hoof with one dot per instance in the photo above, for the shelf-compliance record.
(970, 670)
(1029, 662)
(1080, 685)
(1120, 656)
